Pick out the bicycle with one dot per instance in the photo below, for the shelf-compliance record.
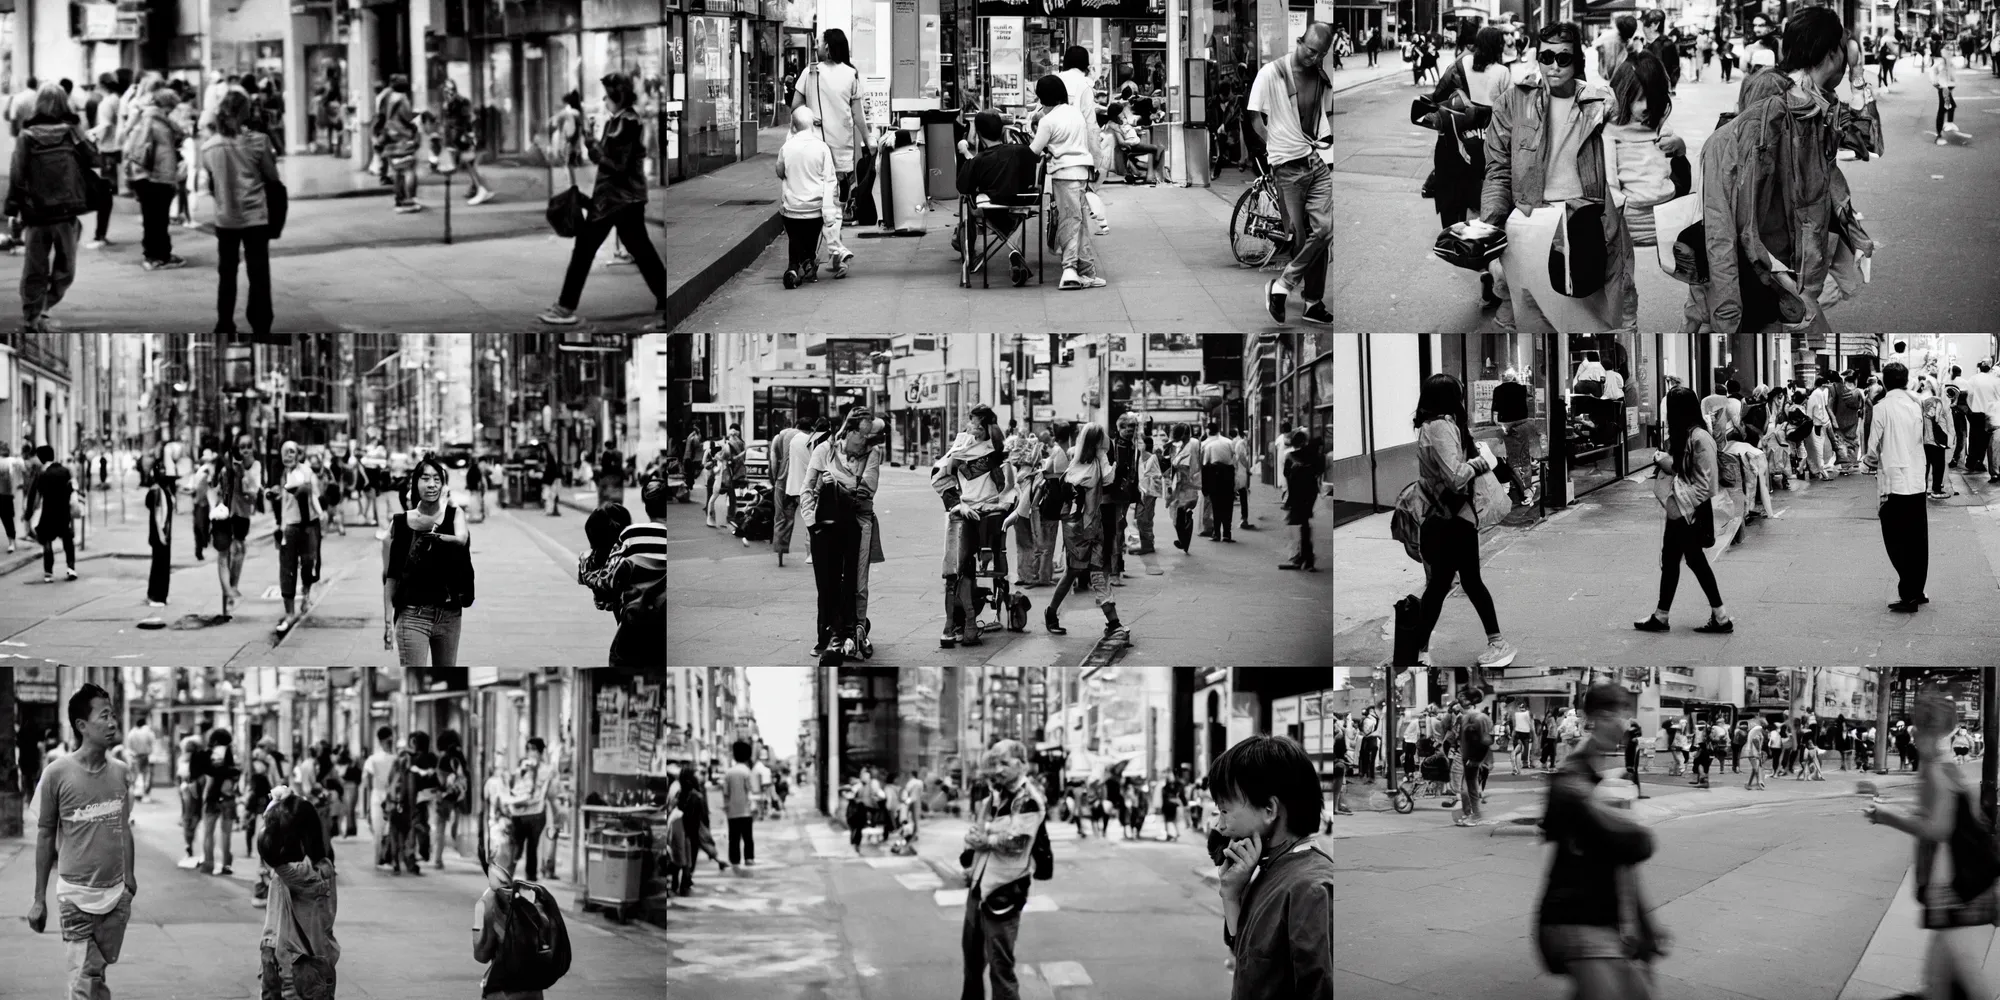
(1403, 797)
(1257, 226)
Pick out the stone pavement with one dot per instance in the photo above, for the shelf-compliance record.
(729, 604)
(401, 938)
(1808, 586)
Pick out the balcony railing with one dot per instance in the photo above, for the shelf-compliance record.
(49, 351)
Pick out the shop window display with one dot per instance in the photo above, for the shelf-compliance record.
(1594, 419)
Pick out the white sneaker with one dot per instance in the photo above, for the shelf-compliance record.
(1951, 126)
(97, 244)
(186, 863)
(1498, 654)
(1070, 280)
(1941, 141)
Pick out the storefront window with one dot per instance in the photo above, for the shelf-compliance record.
(1597, 371)
(711, 102)
(504, 112)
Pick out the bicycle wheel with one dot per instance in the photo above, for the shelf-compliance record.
(1256, 225)
(1402, 800)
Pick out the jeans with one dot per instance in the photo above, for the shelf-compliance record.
(1029, 548)
(190, 814)
(1143, 517)
(1047, 533)
(1183, 526)
(253, 245)
(1947, 109)
(1958, 425)
(50, 266)
(1306, 186)
(427, 636)
(526, 832)
(111, 172)
(630, 224)
(1114, 537)
(1906, 536)
(1451, 549)
(92, 941)
(742, 840)
(1845, 443)
(1073, 229)
(781, 528)
(298, 560)
(1678, 543)
(212, 816)
(156, 202)
(987, 942)
(1934, 456)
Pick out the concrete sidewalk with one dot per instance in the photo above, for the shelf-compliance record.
(1807, 586)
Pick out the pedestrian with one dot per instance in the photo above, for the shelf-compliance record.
(13, 479)
(1121, 491)
(159, 537)
(1549, 729)
(1523, 177)
(295, 499)
(139, 746)
(1447, 464)
(1291, 110)
(691, 811)
(999, 865)
(1275, 878)
(197, 489)
(1084, 548)
(1241, 445)
(791, 453)
(1642, 146)
(153, 164)
(52, 183)
(837, 505)
(1948, 812)
(1064, 138)
(107, 132)
(84, 834)
(618, 204)
(397, 133)
(809, 195)
(1592, 923)
(478, 479)
(189, 764)
(1738, 736)
(1046, 501)
(630, 579)
(297, 949)
(1896, 455)
(426, 574)
(1185, 485)
(458, 127)
(1303, 468)
(976, 485)
(242, 173)
(376, 774)
(526, 804)
(1152, 484)
(238, 483)
(739, 804)
(266, 772)
(51, 492)
(1218, 484)
(218, 801)
(454, 784)
(1943, 74)
(1475, 746)
(1173, 798)
(831, 89)
(1685, 478)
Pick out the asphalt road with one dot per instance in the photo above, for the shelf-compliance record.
(1929, 206)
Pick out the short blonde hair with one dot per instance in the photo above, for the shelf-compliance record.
(52, 101)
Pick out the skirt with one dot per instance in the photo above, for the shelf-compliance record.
(1562, 944)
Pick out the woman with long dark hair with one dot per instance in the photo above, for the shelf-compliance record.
(838, 509)
(1084, 544)
(1447, 463)
(241, 170)
(298, 948)
(832, 87)
(1684, 481)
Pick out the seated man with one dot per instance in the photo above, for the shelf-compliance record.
(1005, 173)
(1124, 135)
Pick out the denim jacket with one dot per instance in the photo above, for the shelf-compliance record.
(1770, 185)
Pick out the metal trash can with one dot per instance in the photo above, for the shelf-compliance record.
(614, 865)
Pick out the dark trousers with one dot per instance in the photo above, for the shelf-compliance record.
(1143, 517)
(1370, 746)
(835, 546)
(1243, 505)
(1978, 434)
(528, 836)
(1114, 536)
(111, 172)
(157, 580)
(1306, 556)
(200, 528)
(298, 560)
(742, 841)
(1183, 525)
(987, 943)
(1451, 549)
(253, 245)
(68, 539)
(1736, 758)
(1677, 544)
(1218, 483)
(630, 224)
(1958, 426)
(1934, 456)
(7, 513)
(787, 512)
(801, 243)
(1906, 536)
(156, 202)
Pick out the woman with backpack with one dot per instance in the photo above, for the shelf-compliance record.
(1685, 479)
(1447, 463)
(423, 590)
(52, 183)
(242, 171)
(299, 952)
(1959, 908)
(153, 166)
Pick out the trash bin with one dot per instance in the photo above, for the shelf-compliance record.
(614, 864)
(940, 154)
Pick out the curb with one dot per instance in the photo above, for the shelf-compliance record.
(18, 563)
(684, 300)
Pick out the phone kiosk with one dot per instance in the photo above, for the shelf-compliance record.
(622, 774)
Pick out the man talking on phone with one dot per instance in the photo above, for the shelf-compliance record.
(1275, 878)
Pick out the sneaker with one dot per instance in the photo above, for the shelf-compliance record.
(1941, 141)
(839, 270)
(1951, 126)
(1071, 281)
(1093, 281)
(188, 862)
(485, 195)
(1274, 300)
(409, 209)
(791, 279)
(189, 223)
(226, 870)
(48, 578)
(156, 604)
(69, 574)
(621, 256)
(1498, 654)
(846, 257)
(558, 316)
(1317, 312)
(101, 244)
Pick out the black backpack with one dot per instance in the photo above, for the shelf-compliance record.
(534, 941)
(1044, 857)
(1050, 497)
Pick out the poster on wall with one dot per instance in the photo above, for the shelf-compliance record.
(875, 100)
(629, 723)
(1173, 352)
(1006, 36)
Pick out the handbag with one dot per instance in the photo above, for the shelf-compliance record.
(1681, 240)
(568, 210)
(1577, 255)
(277, 205)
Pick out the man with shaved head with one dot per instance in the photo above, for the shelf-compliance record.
(809, 188)
(1291, 107)
(998, 859)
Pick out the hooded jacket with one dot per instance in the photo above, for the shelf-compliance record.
(47, 181)
(1770, 187)
(153, 150)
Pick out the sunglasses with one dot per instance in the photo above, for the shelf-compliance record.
(1562, 59)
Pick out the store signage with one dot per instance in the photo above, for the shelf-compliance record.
(1137, 9)
(1149, 34)
(748, 7)
(104, 22)
(35, 684)
(854, 381)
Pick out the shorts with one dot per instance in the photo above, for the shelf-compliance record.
(1565, 943)
(235, 529)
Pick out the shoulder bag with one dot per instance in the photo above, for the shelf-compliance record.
(278, 206)
(567, 211)
(1968, 899)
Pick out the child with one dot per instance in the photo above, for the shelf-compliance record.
(1643, 176)
(809, 201)
(298, 947)
(1275, 879)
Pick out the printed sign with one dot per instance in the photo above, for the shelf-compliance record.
(1007, 64)
(1131, 9)
(875, 100)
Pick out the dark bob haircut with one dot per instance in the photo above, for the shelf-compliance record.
(1051, 91)
(1641, 77)
(1265, 768)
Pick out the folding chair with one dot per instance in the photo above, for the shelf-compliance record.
(982, 242)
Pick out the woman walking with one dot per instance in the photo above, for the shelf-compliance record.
(1064, 136)
(1959, 903)
(420, 599)
(160, 536)
(241, 169)
(1083, 537)
(837, 507)
(1592, 924)
(1302, 474)
(51, 492)
(1056, 441)
(1185, 466)
(296, 499)
(1446, 466)
(1944, 78)
(618, 203)
(1684, 478)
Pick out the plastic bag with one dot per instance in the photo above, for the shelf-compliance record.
(1682, 247)
(1490, 501)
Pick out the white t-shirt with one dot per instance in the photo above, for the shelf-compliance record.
(798, 452)
(1614, 385)
(1563, 182)
(378, 765)
(830, 89)
(1523, 722)
(1485, 86)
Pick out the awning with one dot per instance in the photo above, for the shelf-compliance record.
(306, 415)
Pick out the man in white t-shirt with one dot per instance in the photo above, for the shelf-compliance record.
(832, 87)
(1524, 735)
(1291, 109)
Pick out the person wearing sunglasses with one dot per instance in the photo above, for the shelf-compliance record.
(1767, 269)
(1559, 120)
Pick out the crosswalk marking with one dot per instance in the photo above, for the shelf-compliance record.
(919, 881)
(895, 861)
(956, 897)
(1060, 974)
